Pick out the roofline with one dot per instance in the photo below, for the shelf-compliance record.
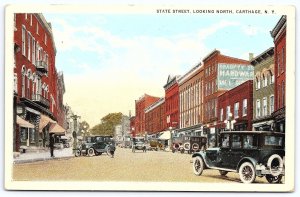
(278, 26)
(246, 132)
(211, 54)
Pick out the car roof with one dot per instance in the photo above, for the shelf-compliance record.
(252, 132)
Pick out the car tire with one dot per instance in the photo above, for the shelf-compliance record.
(223, 172)
(273, 179)
(247, 172)
(198, 165)
(90, 152)
(274, 171)
(77, 153)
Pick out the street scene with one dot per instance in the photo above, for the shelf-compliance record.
(97, 100)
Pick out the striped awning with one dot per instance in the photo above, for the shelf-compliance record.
(23, 123)
(44, 121)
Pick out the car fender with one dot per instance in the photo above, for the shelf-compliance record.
(246, 159)
(201, 154)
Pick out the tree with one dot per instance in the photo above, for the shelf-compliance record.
(107, 125)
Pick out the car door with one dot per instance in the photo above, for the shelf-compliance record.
(223, 160)
(236, 152)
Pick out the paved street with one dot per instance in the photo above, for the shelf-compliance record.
(125, 166)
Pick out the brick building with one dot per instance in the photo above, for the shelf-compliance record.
(190, 101)
(38, 88)
(172, 102)
(221, 73)
(132, 126)
(279, 36)
(263, 90)
(140, 106)
(237, 102)
(155, 117)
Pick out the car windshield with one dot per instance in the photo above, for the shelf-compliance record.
(272, 140)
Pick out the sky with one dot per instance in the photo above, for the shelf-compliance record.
(111, 60)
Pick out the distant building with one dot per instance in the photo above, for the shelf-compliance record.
(118, 133)
(140, 105)
(221, 73)
(172, 102)
(263, 90)
(279, 36)
(190, 101)
(155, 118)
(132, 126)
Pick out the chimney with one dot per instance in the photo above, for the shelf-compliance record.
(251, 56)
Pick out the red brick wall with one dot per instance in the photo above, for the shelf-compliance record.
(280, 58)
(172, 106)
(237, 94)
(155, 121)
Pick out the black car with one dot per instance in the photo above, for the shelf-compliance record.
(193, 144)
(96, 145)
(138, 143)
(249, 153)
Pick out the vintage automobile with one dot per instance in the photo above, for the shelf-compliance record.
(96, 145)
(177, 144)
(193, 144)
(138, 143)
(249, 153)
(157, 144)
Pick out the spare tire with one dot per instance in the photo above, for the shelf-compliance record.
(275, 164)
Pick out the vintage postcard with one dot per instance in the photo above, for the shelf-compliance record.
(150, 97)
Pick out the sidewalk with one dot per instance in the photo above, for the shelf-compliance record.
(43, 155)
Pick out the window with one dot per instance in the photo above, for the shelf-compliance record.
(278, 64)
(28, 46)
(45, 39)
(264, 112)
(278, 96)
(227, 112)
(250, 141)
(15, 83)
(236, 141)
(271, 77)
(30, 19)
(257, 108)
(265, 81)
(271, 104)
(273, 140)
(24, 134)
(23, 41)
(37, 28)
(225, 141)
(26, 16)
(245, 107)
(236, 110)
(32, 136)
(23, 81)
(257, 83)
(283, 96)
(221, 114)
(33, 51)
(283, 61)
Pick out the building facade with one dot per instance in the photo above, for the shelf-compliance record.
(235, 108)
(172, 102)
(279, 36)
(132, 126)
(221, 73)
(190, 101)
(155, 117)
(37, 99)
(140, 105)
(263, 90)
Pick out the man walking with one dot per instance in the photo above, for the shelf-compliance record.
(51, 144)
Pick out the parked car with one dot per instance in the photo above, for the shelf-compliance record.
(249, 153)
(193, 144)
(177, 144)
(138, 143)
(96, 145)
(157, 144)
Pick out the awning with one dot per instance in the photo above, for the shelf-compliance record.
(165, 136)
(24, 123)
(56, 128)
(44, 121)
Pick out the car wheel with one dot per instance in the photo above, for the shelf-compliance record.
(273, 179)
(91, 152)
(223, 173)
(247, 172)
(198, 165)
(77, 153)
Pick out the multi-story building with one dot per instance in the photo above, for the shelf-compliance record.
(235, 108)
(190, 101)
(140, 105)
(263, 90)
(122, 130)
(155, 117)
(132, 126)
(221, 73)
(279, 36)
(37, 98)
(172, 102)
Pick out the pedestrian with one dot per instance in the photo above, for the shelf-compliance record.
(51, 144)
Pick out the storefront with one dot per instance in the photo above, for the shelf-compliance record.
(279, 120)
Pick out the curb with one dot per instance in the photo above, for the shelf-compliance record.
(41, 159)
